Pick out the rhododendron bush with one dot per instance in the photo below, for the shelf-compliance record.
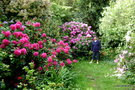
(126, 60)
(78, 35)
(26, 50)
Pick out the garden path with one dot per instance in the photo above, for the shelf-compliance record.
(98, 76)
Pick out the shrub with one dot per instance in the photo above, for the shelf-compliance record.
(78, 35)
(25, 50)
(126, 60)
(25, 9)
(117, 20)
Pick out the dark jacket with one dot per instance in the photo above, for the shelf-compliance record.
(95, 46)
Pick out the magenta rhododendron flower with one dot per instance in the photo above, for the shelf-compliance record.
(75, 61)
(49, 64)
(28, 23)
(61, 42)
(18, 34)
(67, 47)
(54, 53)
(40, 68)
(6, 33)
(15, 42)
(35, 53)
(37, 24)
(40, 42)
(19, 23)
(13, 27)
(49, 59)
(62, 64)
(53, 40)
(116, 60)
(40, 46)
(23, 51)
(58, 50)
(17, 52)
(2, 46)
(5, 41)
(43, 55)
(88, 35)
(43, 35)
(18, 26)
(69, 61)
(23, 40)
(22, 28)
(55, 62)
(66, 51)
(34, 46)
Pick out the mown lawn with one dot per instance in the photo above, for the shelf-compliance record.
(94, 76)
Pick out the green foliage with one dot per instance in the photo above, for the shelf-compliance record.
(117, 19)
(62, 13)
(49, 80)
(25, 9)
(89, 11)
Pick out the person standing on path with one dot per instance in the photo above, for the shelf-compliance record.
(95, 48)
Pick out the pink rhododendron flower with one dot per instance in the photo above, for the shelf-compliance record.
(44, 40)
(5, 41)
(54, 53)
(35, 46)
(43, 55)
(18, 26)
(43, 35)
(15, 42)
(58, 50)
(18, 34)
(28, 23)
(67, 47)
(2, 46)
(49, 60)
(66, 51)
(66, 44)
(69, 61)
(55, 62)
(88, 35)
(49, 64)
(40, 68)
(35, 53)
(37, 24)
(40, 46)
(23, 40)
(22, 28)
(116, 60)
(40, 42)
(17, 52)
(75, 61)
(61, 43)
(7, 33)
(19, 23)
(13, 27)
(62, 64)
(23, 51)
(53, 40)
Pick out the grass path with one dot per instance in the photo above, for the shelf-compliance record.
(93, 76)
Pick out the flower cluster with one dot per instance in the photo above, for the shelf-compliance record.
(125, 60)
(77, 34)
(24, 45)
